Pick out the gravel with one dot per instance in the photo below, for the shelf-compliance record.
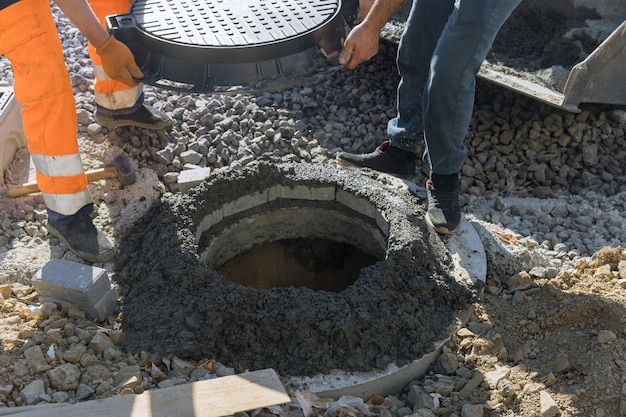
(517, 147)
(553, 178)
(566, 169)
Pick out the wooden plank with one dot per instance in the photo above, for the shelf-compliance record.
(212, 398)
(51, 407)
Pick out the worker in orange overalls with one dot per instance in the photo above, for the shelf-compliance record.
(30, 41)
(118, 104)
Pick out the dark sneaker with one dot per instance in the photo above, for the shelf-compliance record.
(146, 117)
(444, 210)
(84, 239)
(385, 158)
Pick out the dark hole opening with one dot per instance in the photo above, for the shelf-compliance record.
(316, 263)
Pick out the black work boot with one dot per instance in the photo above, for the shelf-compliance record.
(84, 239)
(385, 158)
(444, 210)
(146, 117)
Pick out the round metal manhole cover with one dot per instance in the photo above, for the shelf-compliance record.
(205, 44)
(232, 24)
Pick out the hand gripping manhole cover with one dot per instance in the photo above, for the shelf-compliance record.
(214, 45)
(398, 309)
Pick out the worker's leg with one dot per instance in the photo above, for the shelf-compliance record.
(397, 156)
(29, 39)
(448, 100)
(118, 104)
(419, 39)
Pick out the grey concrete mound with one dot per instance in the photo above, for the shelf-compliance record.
(398, 311)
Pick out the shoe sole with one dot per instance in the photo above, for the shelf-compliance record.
(114, 124)
(442, 230)
(105, 257)
(347, 164)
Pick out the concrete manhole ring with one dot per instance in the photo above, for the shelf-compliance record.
(398, 309)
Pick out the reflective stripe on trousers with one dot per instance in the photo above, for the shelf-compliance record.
(111, 94)
(29, 39)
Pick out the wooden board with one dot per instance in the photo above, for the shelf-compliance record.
(212, 398)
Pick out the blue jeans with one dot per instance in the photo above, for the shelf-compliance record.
(441, 50)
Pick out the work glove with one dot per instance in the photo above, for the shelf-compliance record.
(118, 62)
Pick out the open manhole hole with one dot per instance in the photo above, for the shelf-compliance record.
(398, 307)
(210, 45)
(317, 263)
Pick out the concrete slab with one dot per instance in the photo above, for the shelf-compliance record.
(468, 254)
(87, 287)
(11, 133)
(189, 178)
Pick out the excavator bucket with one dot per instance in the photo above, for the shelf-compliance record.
(561, 52)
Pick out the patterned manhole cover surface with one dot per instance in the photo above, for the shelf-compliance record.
(206, 44)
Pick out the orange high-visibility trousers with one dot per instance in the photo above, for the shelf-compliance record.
(111, 94)
(29, 39)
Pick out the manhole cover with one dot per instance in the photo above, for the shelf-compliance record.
(205, 45)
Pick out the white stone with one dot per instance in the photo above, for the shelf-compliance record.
(548, 405)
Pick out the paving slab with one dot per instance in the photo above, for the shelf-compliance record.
(87, 287)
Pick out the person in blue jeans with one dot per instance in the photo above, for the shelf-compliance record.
(441, 50)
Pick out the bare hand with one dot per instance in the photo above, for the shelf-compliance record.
(360, 46)
(365, 6)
